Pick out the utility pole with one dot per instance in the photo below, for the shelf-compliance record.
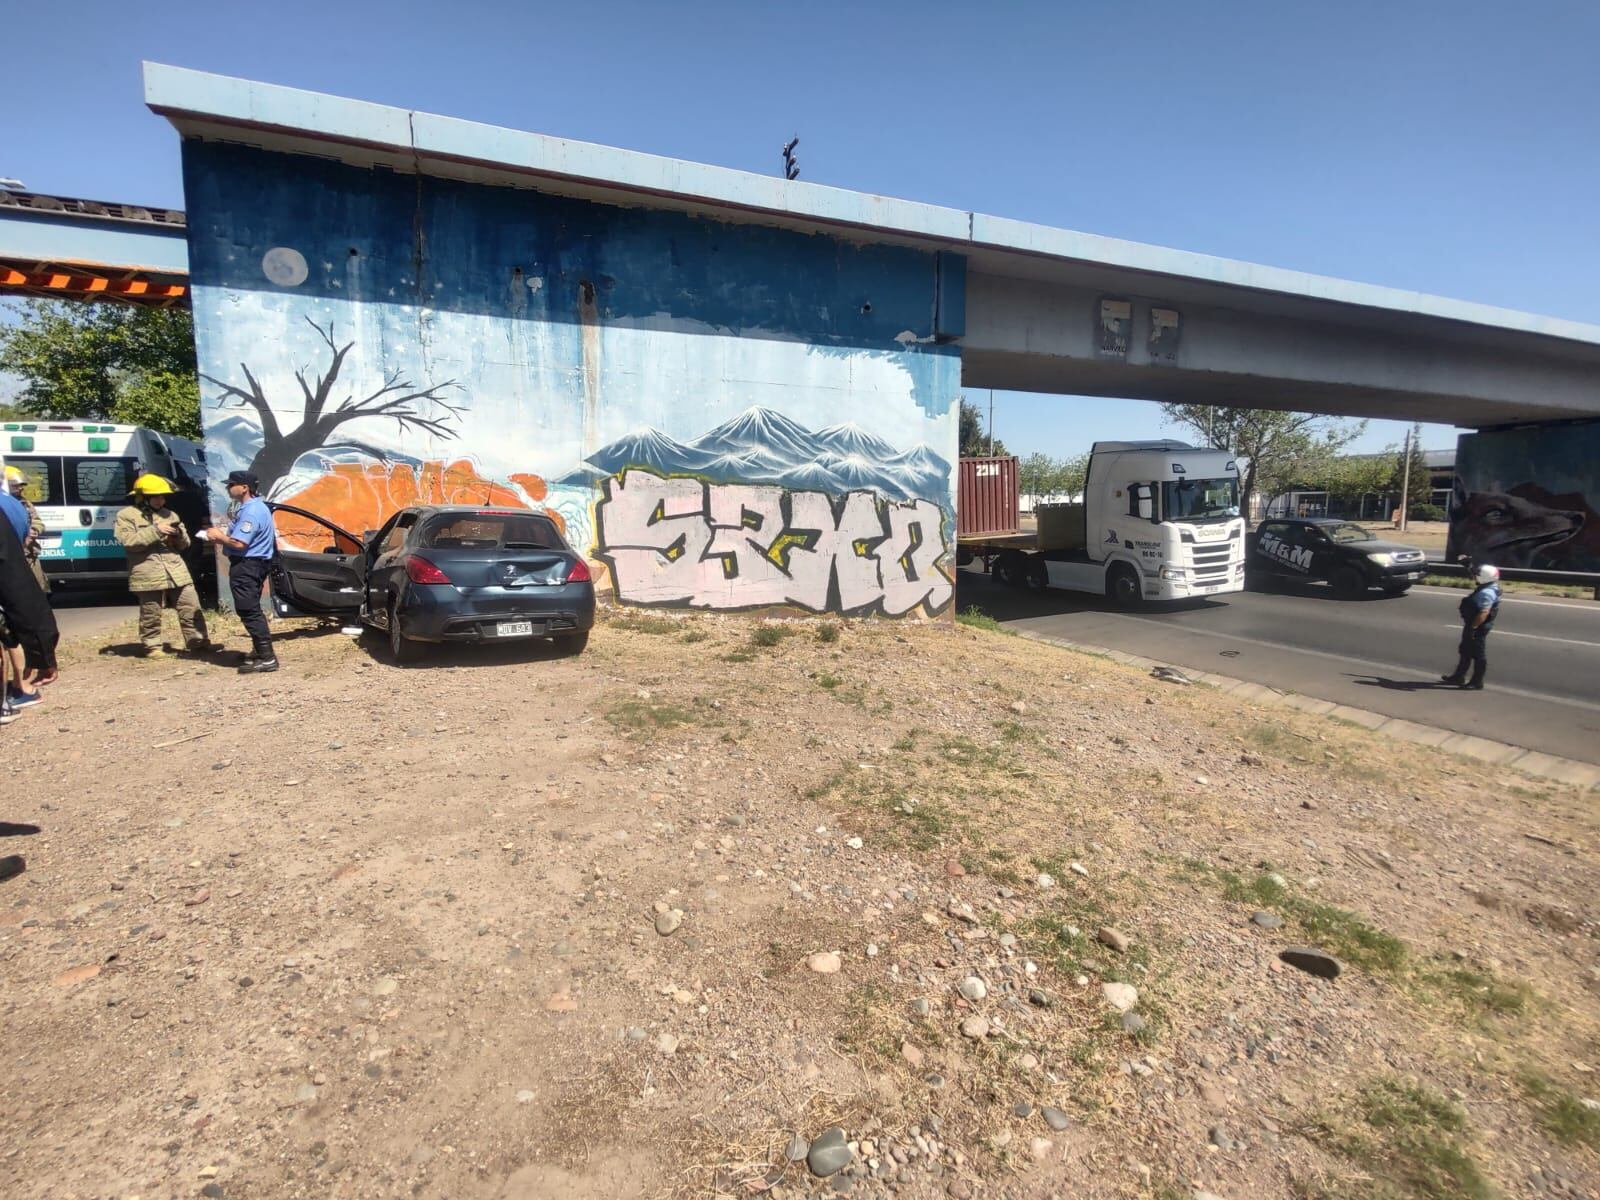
(991, 422)
(791, 164)
(1405, 482)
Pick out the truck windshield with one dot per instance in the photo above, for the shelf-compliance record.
(1200, 499)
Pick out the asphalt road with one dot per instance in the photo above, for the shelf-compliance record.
(1383, 653)
(82, 613)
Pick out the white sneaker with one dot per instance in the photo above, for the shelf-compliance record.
(8, 714)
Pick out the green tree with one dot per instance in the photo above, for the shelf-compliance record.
(1276, 449)
(1070, 475)
(974, 442)
(104, 361)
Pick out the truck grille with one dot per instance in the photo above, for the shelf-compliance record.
(1211, 564)
(1408, 556)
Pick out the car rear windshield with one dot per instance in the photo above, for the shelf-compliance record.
(491, 531)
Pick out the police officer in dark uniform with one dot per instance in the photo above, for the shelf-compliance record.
(251, 543)
(1478, 611)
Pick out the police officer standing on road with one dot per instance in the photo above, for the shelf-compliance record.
(251, 543)
(154, 540)
(1478, 612)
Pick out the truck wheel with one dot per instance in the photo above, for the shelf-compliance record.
(1349, 583)
(964, 556)
(1038, 575)
(1011, 568)
(1122, 586)
(1396, 589)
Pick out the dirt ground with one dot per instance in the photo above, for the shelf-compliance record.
(627, 924)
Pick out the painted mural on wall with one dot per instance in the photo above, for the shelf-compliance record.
(1528, 497)
(721, 416)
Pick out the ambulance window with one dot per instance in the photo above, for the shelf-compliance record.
(44, 478)
(98, 480)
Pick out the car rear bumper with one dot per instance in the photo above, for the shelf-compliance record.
(448, 614)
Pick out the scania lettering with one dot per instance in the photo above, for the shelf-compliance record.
(1158, 521)
(79, 474)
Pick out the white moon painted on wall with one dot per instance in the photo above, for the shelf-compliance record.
(285, 266)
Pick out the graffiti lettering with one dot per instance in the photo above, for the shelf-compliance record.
(731, 546)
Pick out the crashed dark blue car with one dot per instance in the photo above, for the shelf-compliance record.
(441, 573)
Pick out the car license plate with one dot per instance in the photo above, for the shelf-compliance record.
(513, 629)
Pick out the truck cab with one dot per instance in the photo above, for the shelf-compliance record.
(1162, 519)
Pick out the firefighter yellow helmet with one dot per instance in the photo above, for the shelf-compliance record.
(15, 475)
(152, 485)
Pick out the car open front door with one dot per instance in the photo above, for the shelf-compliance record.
(321, 569)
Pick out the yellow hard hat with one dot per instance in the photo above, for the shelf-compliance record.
(152, 485)
(15, 475)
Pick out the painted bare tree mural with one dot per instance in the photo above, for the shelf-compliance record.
(322, 420)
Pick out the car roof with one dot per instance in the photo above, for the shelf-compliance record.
(500, 510)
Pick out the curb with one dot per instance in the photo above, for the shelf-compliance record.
(1501, 754)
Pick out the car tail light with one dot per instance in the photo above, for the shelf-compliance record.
(579, 572)
(420, 570)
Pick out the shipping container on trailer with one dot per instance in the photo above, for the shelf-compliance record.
(988, 491)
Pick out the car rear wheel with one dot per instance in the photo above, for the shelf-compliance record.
(1349, 582)
(1122, 586)
(402, 649)
(575, 643)
(1396, 589)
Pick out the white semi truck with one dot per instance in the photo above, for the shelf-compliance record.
(1159, 521)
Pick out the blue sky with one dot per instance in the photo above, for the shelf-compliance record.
(1442, 145)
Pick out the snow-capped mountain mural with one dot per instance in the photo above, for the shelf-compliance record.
(763, 446)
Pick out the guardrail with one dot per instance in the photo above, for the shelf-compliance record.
(1438, 566)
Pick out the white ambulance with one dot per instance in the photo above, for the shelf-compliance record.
(79, 473)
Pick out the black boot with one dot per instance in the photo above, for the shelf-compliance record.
(261, 661)
(1475, 685)
(1453, 680)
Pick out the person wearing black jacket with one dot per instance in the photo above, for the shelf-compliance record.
(27, 613)
(26, 610)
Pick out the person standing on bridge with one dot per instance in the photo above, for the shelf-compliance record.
(1478, 612)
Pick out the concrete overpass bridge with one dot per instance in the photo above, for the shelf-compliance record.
(735, 390)
(62, 248)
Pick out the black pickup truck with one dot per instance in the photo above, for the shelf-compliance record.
(1351, 558)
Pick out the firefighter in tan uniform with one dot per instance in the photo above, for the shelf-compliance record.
(155, 540)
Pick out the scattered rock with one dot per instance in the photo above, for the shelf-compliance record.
(1308, 804)
(1251, 760)
(1040, 1148)
(1120, 996)
(199, 897)
(797, 1148)
(826, 962)
(524, 1097)
(1018, 707)
(829, 1154)
(1045, 880)
(973, 988)
(976, 1028)
(1266, 920)
(1022, 1108)
(667, 922)
(1077, 868)
(920, 1006)
(1039, 997)
(935, 1081)
(1312, 961)
(561, 1002)
(1054, 1118)
(911, 1054)
(1108, 936)
(854, 843)
(1220, 1138)
(1169, 675)
(668, 1044)
(954, 869)
(385, 986)
(1132, 1022)
(1202, 1194)
(76, 975)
